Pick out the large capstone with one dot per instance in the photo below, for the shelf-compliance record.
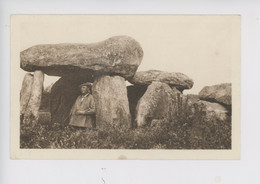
(159, 102)
(112, 107)
(221, 93)
(178, 80)
(119, 55)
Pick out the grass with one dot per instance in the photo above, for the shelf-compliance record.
(185, 133)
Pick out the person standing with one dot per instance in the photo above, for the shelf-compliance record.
(83, 111)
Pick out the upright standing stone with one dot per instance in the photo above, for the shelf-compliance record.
(32, 110)
(177, 103)
(25, 93)
(112, 107)
(159, 102)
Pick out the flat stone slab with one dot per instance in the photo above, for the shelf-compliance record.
(119, 55)
(221, 93)
(178, 80)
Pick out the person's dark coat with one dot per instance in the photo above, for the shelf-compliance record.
(86, 106)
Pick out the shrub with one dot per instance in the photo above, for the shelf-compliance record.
(189, 130)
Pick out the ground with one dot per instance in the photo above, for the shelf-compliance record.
(183, 134)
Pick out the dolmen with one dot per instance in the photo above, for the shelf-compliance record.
(155, 96)
(108, 64)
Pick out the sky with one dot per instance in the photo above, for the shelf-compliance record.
(199, 46)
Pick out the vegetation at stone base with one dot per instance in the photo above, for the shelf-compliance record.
(186, 133)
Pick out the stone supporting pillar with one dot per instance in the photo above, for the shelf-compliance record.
(32, 111)
(159, 102)
(25, 93)
(112, 107)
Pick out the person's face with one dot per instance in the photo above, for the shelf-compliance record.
(84, 89)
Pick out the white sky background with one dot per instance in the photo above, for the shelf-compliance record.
(198, 46)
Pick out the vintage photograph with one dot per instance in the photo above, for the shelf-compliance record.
(127, 83)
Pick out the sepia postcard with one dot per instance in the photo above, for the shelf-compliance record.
(125, 87)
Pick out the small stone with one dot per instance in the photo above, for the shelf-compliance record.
(221, 93)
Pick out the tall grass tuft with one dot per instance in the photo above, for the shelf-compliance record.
(188, 130)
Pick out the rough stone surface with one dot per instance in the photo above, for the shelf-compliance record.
(119, 55)
(186, 105)
(176, 97)
(221, 93)
(178, 80)
(112, 107)
(208, 124)
(25, 93)
(62, 97)
(210, 111)
(32, 111)
(192, 107)
(157, 103)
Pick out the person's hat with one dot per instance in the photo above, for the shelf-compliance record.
(86, 84)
